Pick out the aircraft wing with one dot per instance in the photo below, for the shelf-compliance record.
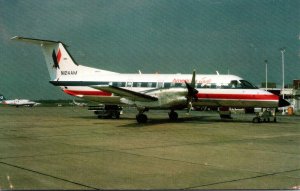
(135, 96)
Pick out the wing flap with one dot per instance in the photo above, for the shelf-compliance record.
(132, 95)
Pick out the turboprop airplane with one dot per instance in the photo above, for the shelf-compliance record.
(149, 91)
(17, 102)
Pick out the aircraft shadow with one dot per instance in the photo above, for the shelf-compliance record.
(158, 121)
(193, 119)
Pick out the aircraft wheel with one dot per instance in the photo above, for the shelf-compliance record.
(116, 115)
(173, 115)
(141, 118)
(256, 120)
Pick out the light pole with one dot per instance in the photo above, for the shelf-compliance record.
(266, 61)
(282, 50)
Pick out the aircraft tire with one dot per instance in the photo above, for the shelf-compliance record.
(116, 115)
(256, 120)
(141, 118)
(173, 116)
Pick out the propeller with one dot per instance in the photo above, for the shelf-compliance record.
(192, 92)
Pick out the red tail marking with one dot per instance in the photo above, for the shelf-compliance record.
(58, 56)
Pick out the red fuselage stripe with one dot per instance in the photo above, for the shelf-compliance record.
(94, 93)
(200, 96)
(239, 96)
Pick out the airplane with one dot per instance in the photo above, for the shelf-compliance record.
(79, 104)
(17, 102)
(150, 91)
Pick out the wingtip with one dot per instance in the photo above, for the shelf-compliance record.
(17, 38)
(14, 38)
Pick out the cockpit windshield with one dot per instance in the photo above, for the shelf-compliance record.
(247, 85)
(241, 84)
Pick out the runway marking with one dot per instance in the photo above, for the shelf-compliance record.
(240, 179)
(48, 175)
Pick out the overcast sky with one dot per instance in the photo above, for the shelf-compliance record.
(166, 36)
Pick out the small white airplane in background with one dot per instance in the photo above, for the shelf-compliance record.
(18, 102)
(150, 91)
(79, 104)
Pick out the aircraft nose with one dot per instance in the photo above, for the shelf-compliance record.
(283, 103)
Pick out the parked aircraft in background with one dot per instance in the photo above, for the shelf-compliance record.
(150, 91)
(17, 102)
(79, 104)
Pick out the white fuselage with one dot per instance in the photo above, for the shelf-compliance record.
(213, 90)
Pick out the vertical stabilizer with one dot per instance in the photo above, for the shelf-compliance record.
(2, 98)
(58, 59)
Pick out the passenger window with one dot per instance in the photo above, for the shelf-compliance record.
(160, 84)
(118, 84)
(178, 85)
(224, 86)
(129, 84)
(137, 84)
(167, 85)
(144, 84)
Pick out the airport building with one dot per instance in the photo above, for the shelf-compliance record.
(296, 96)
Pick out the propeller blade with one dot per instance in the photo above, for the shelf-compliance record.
(193, 82)
(192, 92)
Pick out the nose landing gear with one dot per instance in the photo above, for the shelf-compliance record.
(265, 116)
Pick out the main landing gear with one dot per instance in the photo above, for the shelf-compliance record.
(265, 116)
(225, 113)
(173, 116)
(142, 118)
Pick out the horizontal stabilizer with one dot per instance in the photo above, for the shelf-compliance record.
(35, 41)
(134, 96)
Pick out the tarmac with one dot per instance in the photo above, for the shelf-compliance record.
(69, 148)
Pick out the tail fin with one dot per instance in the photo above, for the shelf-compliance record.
(2, 98)
(56, 55)
(59, 61)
